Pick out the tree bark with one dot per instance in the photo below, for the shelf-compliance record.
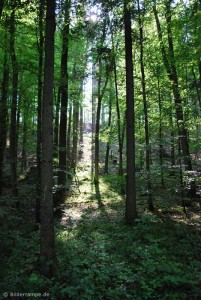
(75, 129)
(131, 210)
(198, 90)
(24, 144)
(68, 143)
(47, 236)
(64, 97)
(108, 143)
(160, 134)
(13, 128)
(146, 118)
(81, 124)
(120, 168)
(3, 113)
(56, 124)
(173, 77)
(97, 128)
(39, 108)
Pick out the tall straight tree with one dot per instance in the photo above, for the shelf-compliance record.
(3, 111)
(47, 236)
(108, 146)
(40, 95)
(120, 150)
(131, 210)
(146, 117)
(13, 125)
(64, 95)
(100, 95)
(170, 65)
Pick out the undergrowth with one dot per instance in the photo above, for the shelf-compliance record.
(99, 256)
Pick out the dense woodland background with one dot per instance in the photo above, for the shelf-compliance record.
(100, 148)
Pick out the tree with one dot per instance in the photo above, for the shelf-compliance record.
(3, 110)
(103, 64)
(47, 237)
(108, 145)
(169, 62)
(13, 127)
(100, 94)
(64, 95)
(131, 211)
(146, 118)
(170, 65)
(120, 139)
(40, 96)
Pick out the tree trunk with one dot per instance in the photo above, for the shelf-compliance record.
(120, 150)
(146, 118)
(56, 124)
(64, 97)
(93, 117)
(81, 124)
(39, 108)
(160, 134)
(47, 236)
(172, 143)
(172, 74)
(24, 145)
(3, 113)
(131, 211)
(13, 127)
(198, 91)
(97, 129)
(68, 143)
(108, 142)
(75, 130)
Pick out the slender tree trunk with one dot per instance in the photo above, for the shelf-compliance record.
(172, 74)
(39, 108)
(97, 129)
(81, 124)
(24, 145)
(93, 117)
(146, 118)
(198, 91)
(56, 125)
(120, 150)
(64, 97)
(131, 211)
(75, 131)
(160, 135)
(13, 127)
(3, 113)
(172, 142)
(199, 68)
(108, 143)
(47, 236)
(68, 143)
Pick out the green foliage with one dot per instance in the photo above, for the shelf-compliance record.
(99, 257)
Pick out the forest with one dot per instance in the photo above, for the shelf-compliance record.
(100, 149)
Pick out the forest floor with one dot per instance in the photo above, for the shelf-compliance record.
(99, 256)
